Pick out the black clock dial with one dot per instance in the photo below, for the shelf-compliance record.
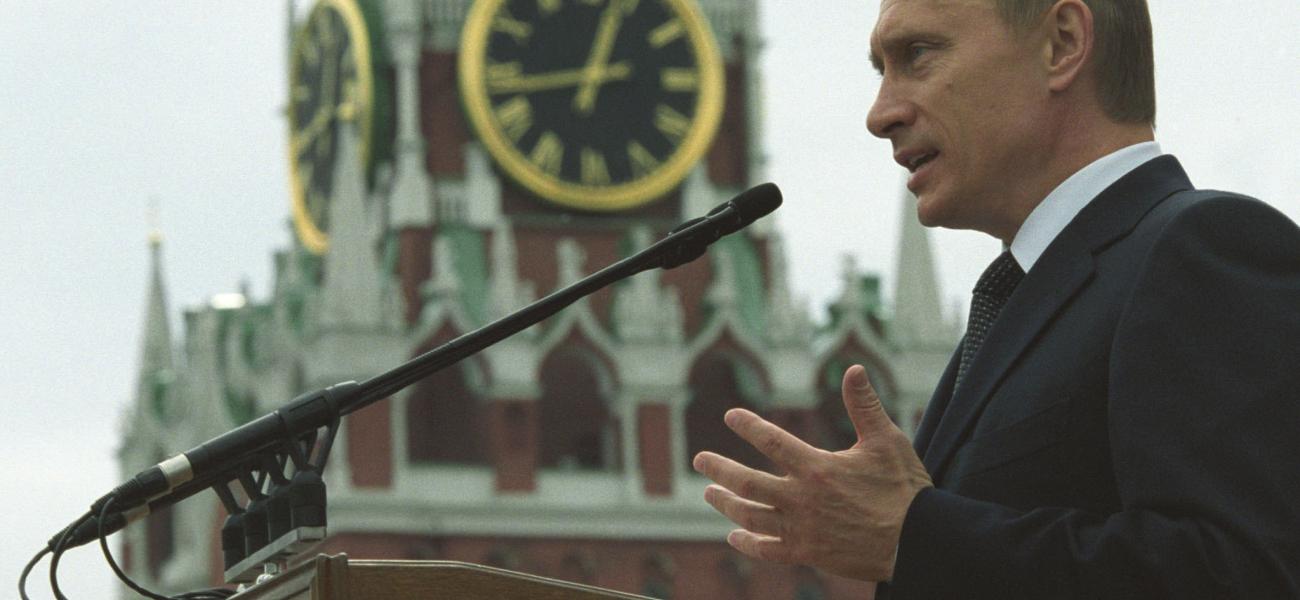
(594, 103)
(640, 113)
(329, 85)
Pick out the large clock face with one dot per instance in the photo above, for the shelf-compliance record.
(594, 104)
(330, 83)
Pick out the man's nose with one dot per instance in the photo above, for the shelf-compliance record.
(889, 112)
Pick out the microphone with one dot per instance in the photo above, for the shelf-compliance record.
(216, 460)
(691, 239)
(303, 414)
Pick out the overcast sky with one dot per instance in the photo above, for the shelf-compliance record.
(106, 104)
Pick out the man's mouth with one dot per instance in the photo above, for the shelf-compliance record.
(918, 161)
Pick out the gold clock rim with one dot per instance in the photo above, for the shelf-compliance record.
(708, 117)
(309, 233)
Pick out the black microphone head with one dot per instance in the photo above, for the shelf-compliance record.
(756, 202)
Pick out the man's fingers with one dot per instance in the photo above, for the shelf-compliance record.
(753, 516)
(862, 403)
(786, 450)
(757, 545)
(743, 481)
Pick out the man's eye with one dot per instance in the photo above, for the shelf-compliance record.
(915, 52)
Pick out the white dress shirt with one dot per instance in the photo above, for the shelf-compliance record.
(1064, 203)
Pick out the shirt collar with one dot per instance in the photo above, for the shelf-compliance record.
(1060, 207)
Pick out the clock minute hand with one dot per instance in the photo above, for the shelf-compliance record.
(535, 82)
(585, 100)
(313, 128)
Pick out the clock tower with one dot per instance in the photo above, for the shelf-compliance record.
(452, 161)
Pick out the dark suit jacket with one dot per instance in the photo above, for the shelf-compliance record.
(1131, 426)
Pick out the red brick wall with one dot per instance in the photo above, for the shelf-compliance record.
(654, 438)
(370, 445)
(512, 442)
(414, 266)
(441, 119)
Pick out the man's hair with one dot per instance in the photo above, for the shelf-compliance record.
(1123, 57)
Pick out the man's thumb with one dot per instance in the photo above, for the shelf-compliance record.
(862, 403)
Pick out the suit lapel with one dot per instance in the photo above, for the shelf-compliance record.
(1032, 305)
(1063, 270)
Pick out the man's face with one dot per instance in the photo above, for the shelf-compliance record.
(962, 101)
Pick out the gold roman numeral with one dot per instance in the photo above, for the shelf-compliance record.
(311, 53)
(516, 117)
(505, 23)
(548, 154)
(594, 169)
(672, 124)
(643, 162)
(503, 70)
(549, 7)
(677, 79)
(500, 72)
(664, 34)
(326, 34)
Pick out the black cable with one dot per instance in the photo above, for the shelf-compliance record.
(57, 551)
(108, 555)
(27, 570)
(212, 594)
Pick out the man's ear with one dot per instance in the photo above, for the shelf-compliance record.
(1068, 25)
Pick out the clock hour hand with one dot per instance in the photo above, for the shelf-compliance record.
(313, 128)
(585, 100)
(536, 82)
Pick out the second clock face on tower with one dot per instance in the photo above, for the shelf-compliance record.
(594, 104)
(330, 83)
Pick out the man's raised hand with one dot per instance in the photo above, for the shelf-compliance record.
(841, 512)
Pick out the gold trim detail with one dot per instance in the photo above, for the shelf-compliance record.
(359, 107)
(651, 185)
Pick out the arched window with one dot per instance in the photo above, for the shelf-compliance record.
(576, 429)
(718, 383)
(443, 420)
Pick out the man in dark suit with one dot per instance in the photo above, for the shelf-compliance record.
(1122, 418)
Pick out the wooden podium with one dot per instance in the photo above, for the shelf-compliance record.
(339, 578)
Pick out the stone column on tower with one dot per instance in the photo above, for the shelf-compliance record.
(353, 286)
(653, 365)
(510, 400)
(410, 205)
(410, 201)
(790, 366)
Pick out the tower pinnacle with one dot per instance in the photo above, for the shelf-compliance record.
(918, 313)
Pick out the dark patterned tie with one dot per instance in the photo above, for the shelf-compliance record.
(991, 293)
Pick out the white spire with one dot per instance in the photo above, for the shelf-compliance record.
(353, 286)
(506, 292)
(918, 309)
(572, 259)
(156, 349)
(787, 320)
(157, 363)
